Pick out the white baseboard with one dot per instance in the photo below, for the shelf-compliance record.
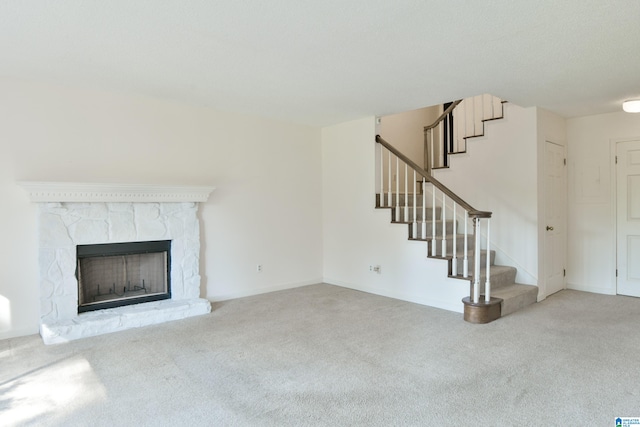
(457, 307)
(264, 290)
(14, 333)
(592, 289)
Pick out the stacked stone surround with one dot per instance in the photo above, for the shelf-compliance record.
(64, 225)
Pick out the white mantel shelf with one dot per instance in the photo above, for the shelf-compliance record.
(94, 192)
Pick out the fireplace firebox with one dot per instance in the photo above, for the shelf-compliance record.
(118, 274)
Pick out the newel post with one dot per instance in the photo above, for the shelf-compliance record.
(475, 289)
(489, 308)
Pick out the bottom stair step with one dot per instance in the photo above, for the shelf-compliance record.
(515, 297)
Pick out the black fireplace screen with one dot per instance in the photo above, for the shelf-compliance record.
(116, 274)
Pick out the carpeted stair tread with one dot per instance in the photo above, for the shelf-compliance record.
(401, 199)
(471, 253)
(460, 238)
(429, 226)
(515, 297)
(427, 211)
(471, 260)
(501, 276)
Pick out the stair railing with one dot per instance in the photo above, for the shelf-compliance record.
(461, 120)
(431, 157)
(395, 167)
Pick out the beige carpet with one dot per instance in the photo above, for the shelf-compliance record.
(325, 355)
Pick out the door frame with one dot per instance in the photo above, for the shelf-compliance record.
(544, 291)
(613, 148)
(564, 221)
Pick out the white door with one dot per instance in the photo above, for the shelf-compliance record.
(628, 217)
(555, 218)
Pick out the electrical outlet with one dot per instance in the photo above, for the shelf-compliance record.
(259, 268)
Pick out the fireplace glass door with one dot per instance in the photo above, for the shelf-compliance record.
(112, 275)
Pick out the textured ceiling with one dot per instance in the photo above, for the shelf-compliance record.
(325, 62)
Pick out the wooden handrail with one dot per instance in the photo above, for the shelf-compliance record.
(473, 213)
(444, 114)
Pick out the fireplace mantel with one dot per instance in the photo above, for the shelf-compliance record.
(44, 192)
(72, 214)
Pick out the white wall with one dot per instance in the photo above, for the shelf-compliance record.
(356, 235)
(498, 173)
(267, 208)
(591, 229)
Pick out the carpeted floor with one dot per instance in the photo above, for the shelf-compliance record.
(325, 355)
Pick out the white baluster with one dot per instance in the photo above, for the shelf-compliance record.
(444, 225)
(454, 133)
(381, 197)
(397, 189)
(454, 261)
(487, 107)
(406, 193)
(478, 107)
(487, 283)
(415, 207)
(433, 221)
(465, 261)
(389, 199)
(469, 119)
(476, 261)
(433, 159)
(424, 210)
(497, 107)
(461, 125)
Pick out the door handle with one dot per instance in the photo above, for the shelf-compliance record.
(549, 228)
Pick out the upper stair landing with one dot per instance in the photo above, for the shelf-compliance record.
(460, 121)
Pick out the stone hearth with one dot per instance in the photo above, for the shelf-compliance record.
(81, 214)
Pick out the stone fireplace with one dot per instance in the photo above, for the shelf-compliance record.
(97, 233)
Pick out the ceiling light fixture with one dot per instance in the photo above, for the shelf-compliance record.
(631, 106)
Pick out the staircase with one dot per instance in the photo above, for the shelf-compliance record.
(513, 296)
(453, 231)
